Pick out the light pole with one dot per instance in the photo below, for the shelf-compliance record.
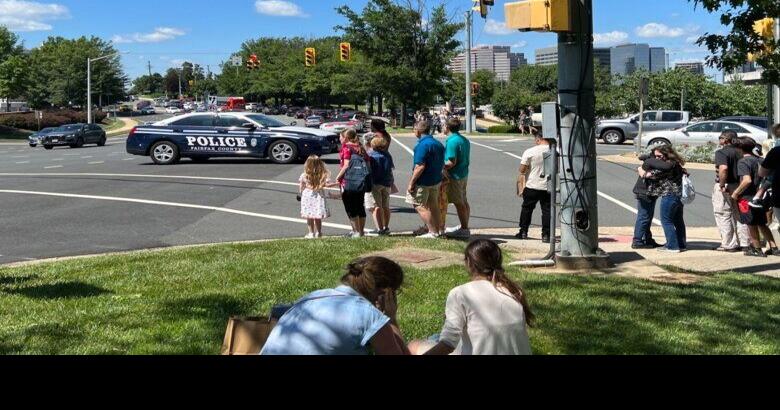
(89, 83)
(469, 125)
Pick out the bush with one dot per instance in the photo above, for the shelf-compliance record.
(503, 129)
(704, 154)
(27, 121)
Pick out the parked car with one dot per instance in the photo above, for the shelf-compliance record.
(74, 136)
(616, 131)
(702, 133)
(148, 110)
(35, 138)
(236, 134)
(760, 122)
(314, 121)
(173, 110)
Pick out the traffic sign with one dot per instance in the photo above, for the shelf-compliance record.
(237, 61)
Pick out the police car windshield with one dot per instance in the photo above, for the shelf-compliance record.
(69, 128)
(267, 122)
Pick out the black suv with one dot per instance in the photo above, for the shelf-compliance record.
(74, 136)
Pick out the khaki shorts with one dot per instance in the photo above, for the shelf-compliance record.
(457, 190)
(381, 196)
(425, 196)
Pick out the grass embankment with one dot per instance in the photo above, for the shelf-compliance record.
(112, 124)
(8, 133)
(178, 302)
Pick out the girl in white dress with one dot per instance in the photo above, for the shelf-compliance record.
(314, 207)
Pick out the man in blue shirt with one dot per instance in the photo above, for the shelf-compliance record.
(423, 191)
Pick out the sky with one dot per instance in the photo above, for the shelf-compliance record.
(206, 32)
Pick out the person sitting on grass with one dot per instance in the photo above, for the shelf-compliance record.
(355, 318)
(487, 316)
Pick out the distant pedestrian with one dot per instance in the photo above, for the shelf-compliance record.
(379, 127)
(457, 159)
(532, 187)
(423, 189)
(755, 218)
(382, 167)
(314, 207)
(354, 168)
(734, 234)
(666, 178)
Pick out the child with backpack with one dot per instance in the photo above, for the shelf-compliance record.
(314, 207)
(382, 177)
(355, 180)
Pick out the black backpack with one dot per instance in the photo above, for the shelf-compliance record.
(358, 175)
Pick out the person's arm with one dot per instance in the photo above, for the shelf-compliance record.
(642, 173)
(745, 184)
(441, 349)
(522, 179)
(661, 165)
(389, 340)
(418, 171)
(723, 176)
(764, 172)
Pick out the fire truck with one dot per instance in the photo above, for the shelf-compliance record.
(227, 104)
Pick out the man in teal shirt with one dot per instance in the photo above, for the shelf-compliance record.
(457, 159)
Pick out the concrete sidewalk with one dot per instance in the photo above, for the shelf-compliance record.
(129, 124)
(700, 261)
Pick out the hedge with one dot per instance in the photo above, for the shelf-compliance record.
(27, 121)
(503, 129)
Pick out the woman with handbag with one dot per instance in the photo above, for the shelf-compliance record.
(352, 319)
(665, 179)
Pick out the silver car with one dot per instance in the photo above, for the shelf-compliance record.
(616, 131)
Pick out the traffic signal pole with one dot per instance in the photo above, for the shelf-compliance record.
(469, 124)
(776, 88)
(579, 192)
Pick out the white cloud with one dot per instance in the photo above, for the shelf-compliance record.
(279, 8)
(692, 39)
(497, 28)
(609, 39)
(652, 30)
(160, 34)
(19, 15)
(521, 44)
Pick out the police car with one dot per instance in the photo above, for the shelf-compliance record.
(201, 136)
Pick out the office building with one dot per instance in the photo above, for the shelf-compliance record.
(628, 58)
(497, 59)
(546, 56)
(603, 56)
(696, 67)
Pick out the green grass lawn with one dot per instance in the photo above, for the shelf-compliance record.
(178, 302)
(112, 124)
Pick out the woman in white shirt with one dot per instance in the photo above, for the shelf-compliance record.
(487, 316)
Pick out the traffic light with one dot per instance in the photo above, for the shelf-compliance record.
(346, 52)
(482, 6)
(311, 57)
(539, 15)
(474, 88)
(764, 28)
(252, 63)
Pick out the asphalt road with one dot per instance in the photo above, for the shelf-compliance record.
(91, 200)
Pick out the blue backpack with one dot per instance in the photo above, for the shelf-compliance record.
(358, 175)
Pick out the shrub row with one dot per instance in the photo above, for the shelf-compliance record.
(27, 121)
(503, 129)
(704, 154)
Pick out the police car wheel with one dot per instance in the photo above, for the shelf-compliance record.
(165, 153)
(48, 147)
(283, 152)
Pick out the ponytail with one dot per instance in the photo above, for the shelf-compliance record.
(500, 278)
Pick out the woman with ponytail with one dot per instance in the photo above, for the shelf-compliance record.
(487, 316)
(355, 318)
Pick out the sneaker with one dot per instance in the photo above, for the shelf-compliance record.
(384, 232)
(318, 236)
(522, 235)
(756, 203)
(546, 239)
(452, 230)
(643, 246)
(421, 231)
(755, 252)
(654, 245)
(727, 250)
(773, 252)
(458, 233)
(309, 236)
(429, 236)
(373, 232)
(349, 235)
(667, 250)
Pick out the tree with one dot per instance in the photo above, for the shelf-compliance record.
(407, 56)
(13, 78)
(731, 50)
(148, 84)
(530, 85)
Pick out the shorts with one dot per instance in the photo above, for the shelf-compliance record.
(381, 196)
(425, 196)
(370, 204)
(457, 190)
(354, 204)
(751, 216)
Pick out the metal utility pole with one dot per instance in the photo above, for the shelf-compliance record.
(149, 64)
(89, 84)
(469, 124)
(776, 88)
(579, 191)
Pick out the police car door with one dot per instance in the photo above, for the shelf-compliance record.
(233, 135)
(193, 134)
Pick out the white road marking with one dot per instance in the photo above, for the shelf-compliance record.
(496, 150)
(71, 155)
(96, 162)
(258, 181)
(53, 166)
(175, 205)
(409, 150)
(128, 159)
(87, 157)
(58, 159)
(23, 162)
(625, 206)
(20, 156)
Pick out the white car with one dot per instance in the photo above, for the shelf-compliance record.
(702, 133)
(339, 126)
(173, 110)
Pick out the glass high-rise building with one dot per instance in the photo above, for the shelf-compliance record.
(628, 58)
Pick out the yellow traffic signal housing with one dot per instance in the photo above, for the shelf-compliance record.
(482, 7)
(539, 15)
(474, 88)
(311, 57)
(765, 28)
(346, 52)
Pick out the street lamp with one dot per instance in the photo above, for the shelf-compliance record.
(89, 83)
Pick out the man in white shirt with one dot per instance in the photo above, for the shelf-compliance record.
(532, 187)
